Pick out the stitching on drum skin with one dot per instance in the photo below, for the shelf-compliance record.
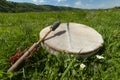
(68, 36)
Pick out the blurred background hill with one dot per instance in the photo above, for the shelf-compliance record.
(7, 6)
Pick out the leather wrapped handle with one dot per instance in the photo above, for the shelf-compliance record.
(55, 25)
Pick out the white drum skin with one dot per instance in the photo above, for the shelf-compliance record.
(72, 38)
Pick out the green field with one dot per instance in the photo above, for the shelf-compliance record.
(19, 31)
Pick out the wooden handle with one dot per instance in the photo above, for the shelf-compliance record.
(22, 58)
(26, 54)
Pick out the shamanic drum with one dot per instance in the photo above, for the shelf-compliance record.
(72, 38)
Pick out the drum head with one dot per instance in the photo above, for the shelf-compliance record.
(72, 38)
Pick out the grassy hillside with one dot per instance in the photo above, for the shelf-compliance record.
(20, 30)
(15, 7)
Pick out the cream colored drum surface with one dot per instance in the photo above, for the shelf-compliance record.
(72, 38)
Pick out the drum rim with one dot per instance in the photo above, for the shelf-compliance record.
(76, 53)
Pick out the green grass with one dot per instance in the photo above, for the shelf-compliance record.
(19, 31)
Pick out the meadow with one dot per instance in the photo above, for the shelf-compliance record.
(19, 31)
